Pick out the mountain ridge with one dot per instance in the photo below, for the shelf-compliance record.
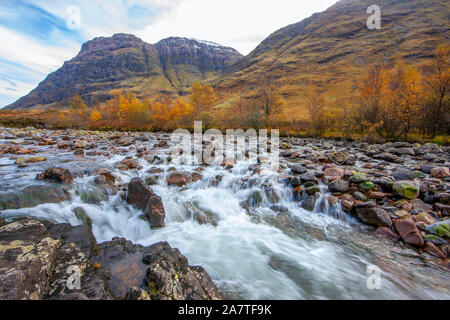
(124, 61)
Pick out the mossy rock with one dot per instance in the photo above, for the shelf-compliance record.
(442, 229)
(358, 178)
(81, 214)
(434, 239)
(407, 189)
(367, 186)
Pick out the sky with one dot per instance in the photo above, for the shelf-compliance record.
(37, 36)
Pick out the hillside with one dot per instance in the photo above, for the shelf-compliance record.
(126, 62)
(330, 50)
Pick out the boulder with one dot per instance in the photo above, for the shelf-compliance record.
(34, 195)
(145, 199)
(441, 229)
(169, 276)
(374, 216)
(407, 189)
(339, 186)
(403, 174)
(409, 232)
(37, 258)
(387, 233)
(178, 179)
(440, 172)
(424, 217)
(57, 175)
(334, 173)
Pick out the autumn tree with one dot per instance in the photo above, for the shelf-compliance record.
(371, 98)
(95, 117)
(243, 113)
(437, 86)
(269, 97)
(203, 99)
(319, 121)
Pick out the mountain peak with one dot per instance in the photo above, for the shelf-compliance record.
(117, 41)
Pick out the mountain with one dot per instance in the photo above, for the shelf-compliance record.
(330, 50)
(126, 62)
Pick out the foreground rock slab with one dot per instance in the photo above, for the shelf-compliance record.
(40, 260)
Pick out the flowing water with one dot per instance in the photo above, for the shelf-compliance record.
(270, 252)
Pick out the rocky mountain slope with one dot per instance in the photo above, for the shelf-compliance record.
(126, 62)
(328, 51)
(331, 49)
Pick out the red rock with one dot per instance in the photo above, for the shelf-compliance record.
(409, 232)
(334, 172)
(177, 178)
(56, 174)
(440, 172)
(433, 250)
(387, 233)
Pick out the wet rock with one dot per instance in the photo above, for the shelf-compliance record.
(367, 186)
(195, 176)
(178, 179)
(92, 194)
(403, 174)
(312, 190)
(334, 173)
(81, 214)
(169, 276)
(387, 233)
(389, 157)
(440, 172)
(128, 164)
(137, 294)
(374, 216)
(309, 203)
(339, 186)
(34, 264)
(109, 177)
(206, 217)
(138, 193)
(442, 208)
(358, 178)
(57, 175)
(424, 217)
(420, 206)
(151, 181)
(442, 197)
(32, 196)
(255, 198)
(297, 169)
(441, 229)
(340, 157)
(145, 199)
(434, 239)
(433, 250)
(409, 232)
(406, 189)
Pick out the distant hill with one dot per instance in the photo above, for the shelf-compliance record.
(328, 51)
(126, 62)
(331, 49)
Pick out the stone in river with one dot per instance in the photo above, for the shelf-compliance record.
(409, 232)
(374, 216)
(56, 174)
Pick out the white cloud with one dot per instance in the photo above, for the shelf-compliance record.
(14, 89)
(240, 24)
(31, 54)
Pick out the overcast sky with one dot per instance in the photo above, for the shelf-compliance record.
(37, 36)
